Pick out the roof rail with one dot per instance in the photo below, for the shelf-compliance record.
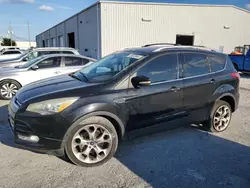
(155, 44)
(182, 46)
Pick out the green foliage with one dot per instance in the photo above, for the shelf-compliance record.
(7, 42)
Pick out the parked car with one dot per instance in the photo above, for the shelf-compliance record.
(10, 54)
(84, 115)
(9, 48)
(241, 61)
(12, 79)
(36, 52)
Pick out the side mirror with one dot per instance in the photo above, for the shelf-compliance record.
(34, 67)
(140, 81)
(25, 59)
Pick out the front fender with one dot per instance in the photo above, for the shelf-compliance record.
(98, 109)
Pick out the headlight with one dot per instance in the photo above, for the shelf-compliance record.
(51, 106)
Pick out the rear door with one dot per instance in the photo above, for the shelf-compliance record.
(198, 85)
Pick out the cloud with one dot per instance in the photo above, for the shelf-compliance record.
(17, 1)
(46, 8)
(248, 6)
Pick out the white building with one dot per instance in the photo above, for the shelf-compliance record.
(107, 26)
(21, 44)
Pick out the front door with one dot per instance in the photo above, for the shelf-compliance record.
(160, 101)
(198, 85)
(46, 68)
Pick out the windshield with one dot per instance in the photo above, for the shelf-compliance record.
(106, 68)
(30, 62)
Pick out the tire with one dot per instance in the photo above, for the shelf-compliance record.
(215, 118)
(82, 150)
(8, 89)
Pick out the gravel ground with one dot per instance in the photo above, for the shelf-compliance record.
(185, 157)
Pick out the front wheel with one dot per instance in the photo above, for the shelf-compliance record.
(92, 142)
(8, 89)
(220, 117)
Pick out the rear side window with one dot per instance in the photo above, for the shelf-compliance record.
(75, 61)
(11, 52)
(217, 63)
(195, 65)
(67, 52)
(163, 68)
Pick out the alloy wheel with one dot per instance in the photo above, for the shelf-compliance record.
(92, 144)
(8, 90)
(222, 118)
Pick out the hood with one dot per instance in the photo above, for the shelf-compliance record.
(55, 87)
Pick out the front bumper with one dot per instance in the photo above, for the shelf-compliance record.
(50, 130)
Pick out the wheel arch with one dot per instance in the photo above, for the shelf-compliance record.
(114, 119)
(230, 99)
(10, 79)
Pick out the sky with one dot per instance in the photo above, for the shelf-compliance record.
(43, 14)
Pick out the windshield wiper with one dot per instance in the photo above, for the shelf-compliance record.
(74, 76)
(85, 77)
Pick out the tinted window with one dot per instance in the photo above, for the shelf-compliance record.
(162, 68)
(195, 65)
(217, 63)
(67, 52)
(74, 61)
(52, 62)
(11, 52)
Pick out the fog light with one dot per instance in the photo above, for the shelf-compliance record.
(31, 138)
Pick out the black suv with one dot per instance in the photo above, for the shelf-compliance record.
(84, 114)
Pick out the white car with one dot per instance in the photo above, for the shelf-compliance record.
(10, 54)
(47, 66)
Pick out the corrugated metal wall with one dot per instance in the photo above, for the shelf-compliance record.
(128, 25)
(85, 27)
(88, 32)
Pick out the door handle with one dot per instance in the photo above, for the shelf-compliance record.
(175, 89)
(57, 72)
(212, 81)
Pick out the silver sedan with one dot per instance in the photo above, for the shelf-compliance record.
(12, 79)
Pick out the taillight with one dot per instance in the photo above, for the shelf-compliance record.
(235, 75)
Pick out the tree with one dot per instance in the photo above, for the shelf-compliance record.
(7, 42)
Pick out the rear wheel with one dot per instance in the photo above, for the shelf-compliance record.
(8, 89)
(92, 142)
(220, 117)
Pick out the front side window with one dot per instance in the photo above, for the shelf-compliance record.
(52, 62)
(109, 66)
(163, 68)
(195, 65)
(217, 63)
(31, 62)
(67, 52)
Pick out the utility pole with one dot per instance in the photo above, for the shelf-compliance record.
(10, 32)
(28, 32)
